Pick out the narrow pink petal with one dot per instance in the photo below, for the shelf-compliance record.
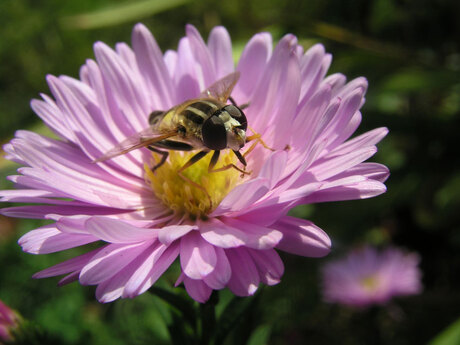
(257, 236)
(245, 277)
(52, 116)
(362, 190)
(189, 82)
(242, 196)
(113, 288)
(221, 274)
(197, 289)
(275, 99)
(220, 47)
(269, 265)
(329, 167)
(170, 58)
(168, 234)
(302, 237)
(48, 239)
(201, 55)
(314, 65)
(71, 265)
(156, 271)
(70, 278)
(150, 257)
(367, 139)
(197, 257)
(273, 168)
(153, 67)
(127, 92)
(109, 261)
(117, 231)
(252, 65)
(221, 235)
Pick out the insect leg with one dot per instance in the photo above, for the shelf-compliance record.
(189, 163)
(215, 158)
(164, 157)
(258, 139)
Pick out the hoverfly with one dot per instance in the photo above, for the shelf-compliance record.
(206, 123)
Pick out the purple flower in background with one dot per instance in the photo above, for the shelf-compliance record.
(9, 321)
(366, 277)
(144, 221)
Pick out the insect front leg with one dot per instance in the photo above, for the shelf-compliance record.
(189, 163)
(215, 158)
(257, 139)
(164, 157)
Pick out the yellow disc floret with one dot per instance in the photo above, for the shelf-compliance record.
(197, 199)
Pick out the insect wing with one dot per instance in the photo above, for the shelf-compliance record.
(142, 139)
(222, 89)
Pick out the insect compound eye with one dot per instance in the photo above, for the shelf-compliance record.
(214, 133)
(237, 114)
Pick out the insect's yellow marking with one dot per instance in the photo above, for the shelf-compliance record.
(181, 196)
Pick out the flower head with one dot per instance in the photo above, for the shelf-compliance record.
(9, 321)
(367, 277)
(225, 227)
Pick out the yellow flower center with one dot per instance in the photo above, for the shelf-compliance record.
(370, 283)
(192, 199)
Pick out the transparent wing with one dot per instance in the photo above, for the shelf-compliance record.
(222, 89)
(142, 139)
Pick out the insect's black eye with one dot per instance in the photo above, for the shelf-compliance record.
(214, 133)
(237, 114)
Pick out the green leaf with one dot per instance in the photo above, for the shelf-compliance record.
(449, 336)
(182, 304)
(122, 13)
(260, 335)
(231, 315)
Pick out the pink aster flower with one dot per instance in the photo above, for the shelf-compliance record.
(144, 221)
(9, 321)
(367, 277)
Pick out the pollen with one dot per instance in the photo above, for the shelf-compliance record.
(186, 199)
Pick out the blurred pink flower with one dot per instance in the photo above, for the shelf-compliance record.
(366, 277)
(9, 321)
(144, 221)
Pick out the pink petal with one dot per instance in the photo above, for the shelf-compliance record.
(197, 257)
(329, 167)
(151, 63)
(234, 233)
(71, 265)
(220, 47)
(302, 237)
(201, 55)
(245, 277)
(242, 196)
(48, 239)
(252, 65)
(269, 265)
(168, 234)
(362, 190)
(109, 261)
(221, 274)
(157, 268)
(117, 231)
(197, 289)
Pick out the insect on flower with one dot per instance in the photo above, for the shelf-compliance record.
(206, 123)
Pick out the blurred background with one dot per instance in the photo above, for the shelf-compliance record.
(409, 50)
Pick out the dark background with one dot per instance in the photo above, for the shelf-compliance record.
(410, 52)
